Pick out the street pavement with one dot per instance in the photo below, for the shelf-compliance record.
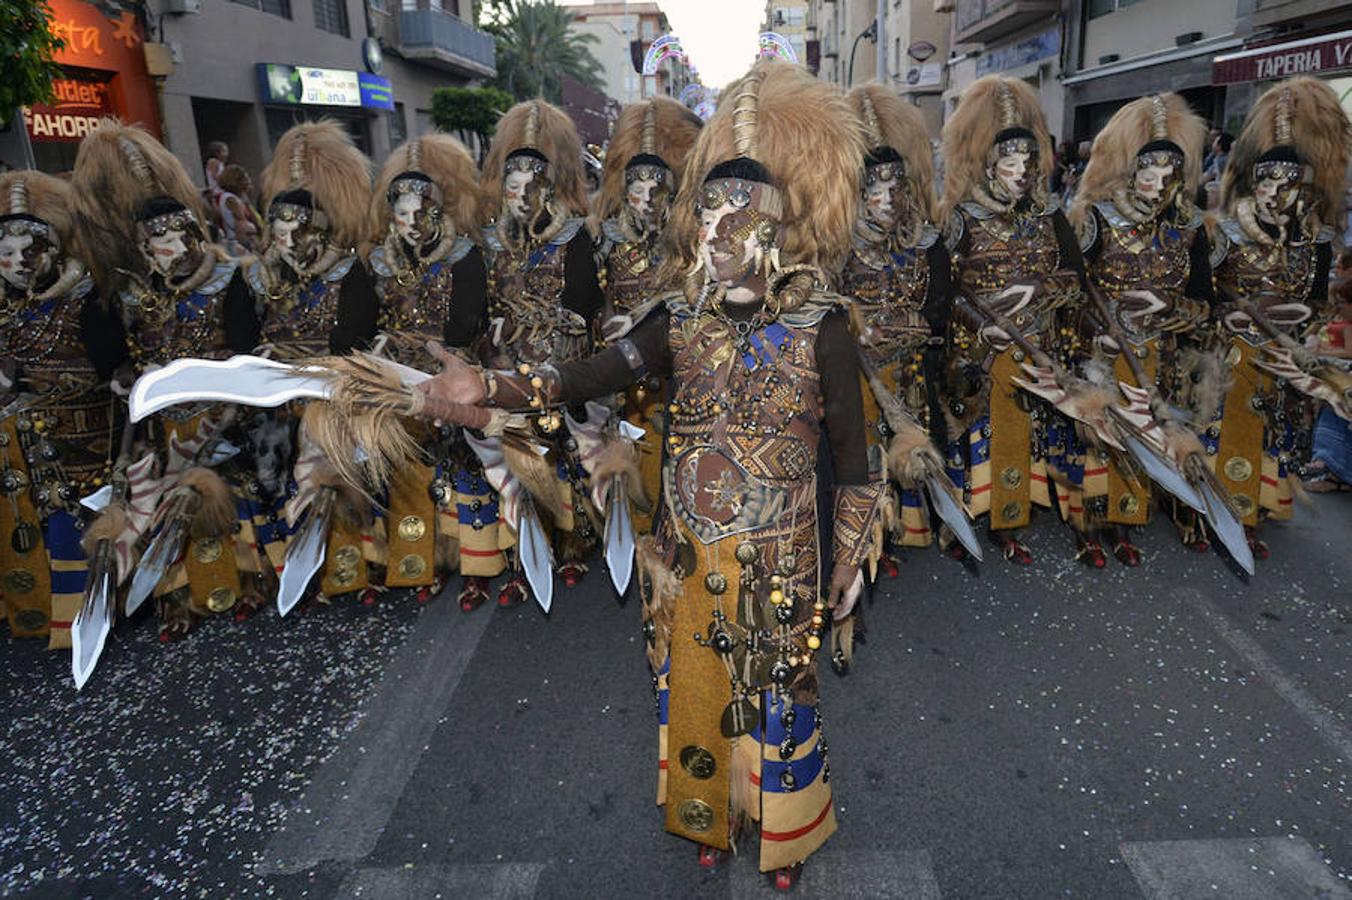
(1176, 731)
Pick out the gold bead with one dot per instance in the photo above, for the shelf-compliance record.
(523, 368)
(776, 597)
(813, 642)
(818, 621)
(819, 606)
(537, 382)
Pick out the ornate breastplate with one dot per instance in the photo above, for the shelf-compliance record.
(1152, 256)
(299, 316)
(889, 288)
(1251, 267)
(41, 334)
(631, 270)
(415, 302)
(745, 419)
(1005, 248)
(164, 326)
(525, 289)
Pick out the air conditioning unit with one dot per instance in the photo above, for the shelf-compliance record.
(1184, 40)
(1110, 58)
(945, 6)
(182, 7)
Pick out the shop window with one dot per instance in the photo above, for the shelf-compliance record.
(275, 7)
(331, 16)
(279, 119)
(398, 126)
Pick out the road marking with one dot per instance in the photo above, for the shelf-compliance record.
(849, 874)
(1270, 868)
(352, 794)
(1319, 716)
(494, 881)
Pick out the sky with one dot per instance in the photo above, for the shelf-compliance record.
(719, 36)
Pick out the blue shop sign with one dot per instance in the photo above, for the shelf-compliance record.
(315, 86)
(1028, 50)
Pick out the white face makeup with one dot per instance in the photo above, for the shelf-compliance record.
(409, 220)
(880, 205)
(1274, 196)
(14, 268)
(1013, 171)
(640, 196)
(727, 243)
(515, 191)
(1151, 181)
(168, 251)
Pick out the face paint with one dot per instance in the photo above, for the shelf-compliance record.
(21, 257)
(727, 242)
(172, 252)
(1274, 195)
(524, 196)
(414, 218)
(649, 200)
(1014, 170)
(1154, 183)
(884, 202)
(299, 243)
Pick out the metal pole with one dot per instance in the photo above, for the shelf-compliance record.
(871, 31)
(880, 19)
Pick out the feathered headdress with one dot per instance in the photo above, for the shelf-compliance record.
(802, 133)
(544, 131)
(438, 160)
(890, 123)
(1161, 122)
(661, 131)
(990, 108)
(1299, 118)
(318, 159)
(119, 170)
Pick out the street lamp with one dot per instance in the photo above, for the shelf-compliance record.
(871, 32)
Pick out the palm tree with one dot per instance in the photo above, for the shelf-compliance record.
(536, 47)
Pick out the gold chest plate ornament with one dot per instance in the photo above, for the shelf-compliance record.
(411, 528)
(220, 600)
(696, 815)
(207, 550)
(1237, 468)
(346, 556)
(19, 581)
(698, 761)
(412, 566)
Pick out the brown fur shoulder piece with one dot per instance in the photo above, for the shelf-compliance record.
(215, 515)
(117, 170)
(320, 157)
(445, 160)
(986, 108)
(811, 143)
(901, 126)
(1319, 131)
(555, 136)
(673, 133)
(1112, 162)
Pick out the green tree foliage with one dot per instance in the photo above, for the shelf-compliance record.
(536, 47)
(472, 110)
(26, 48)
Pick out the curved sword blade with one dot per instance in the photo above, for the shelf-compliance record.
(536, 560)
(1161, 471)
(953, 515)
(619, 536)
(251, 380)
(305, 554)
(161, 553)
(93, 623)
(1227, 527)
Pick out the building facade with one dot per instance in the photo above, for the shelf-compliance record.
(624, 33)
(243, 71)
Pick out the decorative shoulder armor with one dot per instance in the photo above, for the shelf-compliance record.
(1220, 245)
(1325, 235)
(219, 277)
(568, 231)
(928, 236)
(379, 264)
(954, 229)
(1087, 231)
(338, 271)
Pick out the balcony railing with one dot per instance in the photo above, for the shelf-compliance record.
(447, 41)
(982, 21)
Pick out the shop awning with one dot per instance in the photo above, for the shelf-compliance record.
(1311, 56)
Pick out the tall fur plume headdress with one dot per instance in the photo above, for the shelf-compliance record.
(891, 123)
(804, 135)
(1300, 117)
(119, 169)
(319, 159)
(443, 161)
(32, 199)
(990, 106)
(545, 131)
(1156, 121)
(661, 128)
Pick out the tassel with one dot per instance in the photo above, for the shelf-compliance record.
(215, 513)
